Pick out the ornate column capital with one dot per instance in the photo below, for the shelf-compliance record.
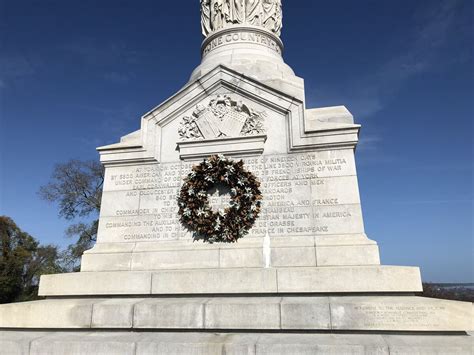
(219, 14)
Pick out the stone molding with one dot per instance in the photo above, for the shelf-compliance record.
(236, 146)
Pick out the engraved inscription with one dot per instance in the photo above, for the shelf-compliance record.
(389, 316)
(243, 36)
(303, 194)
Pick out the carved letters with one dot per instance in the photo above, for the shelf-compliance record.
(303, 195)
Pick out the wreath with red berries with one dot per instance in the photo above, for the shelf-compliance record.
(226, 225)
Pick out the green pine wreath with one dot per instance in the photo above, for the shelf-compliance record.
(230, 224)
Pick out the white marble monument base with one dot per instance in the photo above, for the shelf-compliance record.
(264, 313)
(166, 343)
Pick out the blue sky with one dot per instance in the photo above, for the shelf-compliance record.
(75, 75)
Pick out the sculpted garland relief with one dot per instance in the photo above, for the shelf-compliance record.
(218, 14)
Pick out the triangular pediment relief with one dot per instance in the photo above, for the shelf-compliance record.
(223, 104)
(221, 81)
(225, 108)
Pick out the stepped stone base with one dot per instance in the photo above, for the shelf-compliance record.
(315, 251)
(343, 279)
(130, 343)
(300, 310)
(291, 313)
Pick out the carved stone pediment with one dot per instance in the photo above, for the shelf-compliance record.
(163, 136)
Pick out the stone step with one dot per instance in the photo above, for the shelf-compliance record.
(132, 343)
(362, 313)
(310, 251)
(344, 279)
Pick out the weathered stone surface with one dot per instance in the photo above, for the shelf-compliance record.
(322, 344)
(231, 281)
(243, 313)
(114, 313)
(293, 257)
(74, 343)
(344, 255)
(113, 248)
(170, 314)
(336, 190)
(85, 344)
(334, 250)
(350, 279)
(181, 344)
(192, 259)
(215, 281)
(305, 313)
(116, 203)
(366, 313)
(47, 314)
(106, 262)
(429, 344)
(239, 258)
(95, 283)
(179, 349)
(342, 240)
(248, 255)
(18, 342)
(337, 114)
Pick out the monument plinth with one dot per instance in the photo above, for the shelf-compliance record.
(299, 262)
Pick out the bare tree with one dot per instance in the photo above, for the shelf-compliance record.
(76, 186)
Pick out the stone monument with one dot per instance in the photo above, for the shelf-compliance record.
(231, 223)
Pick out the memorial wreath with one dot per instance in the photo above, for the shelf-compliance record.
(226, 225)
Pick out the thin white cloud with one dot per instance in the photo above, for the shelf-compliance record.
(96, 53)
(118, 78)
(368, 94)
(368, 142)
(111, 121)
(431, 202)
(14, 66)
(444, 167)
(115, 61)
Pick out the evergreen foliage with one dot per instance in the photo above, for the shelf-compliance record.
(22, 261)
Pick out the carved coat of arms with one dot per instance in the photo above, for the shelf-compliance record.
(222, 117)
